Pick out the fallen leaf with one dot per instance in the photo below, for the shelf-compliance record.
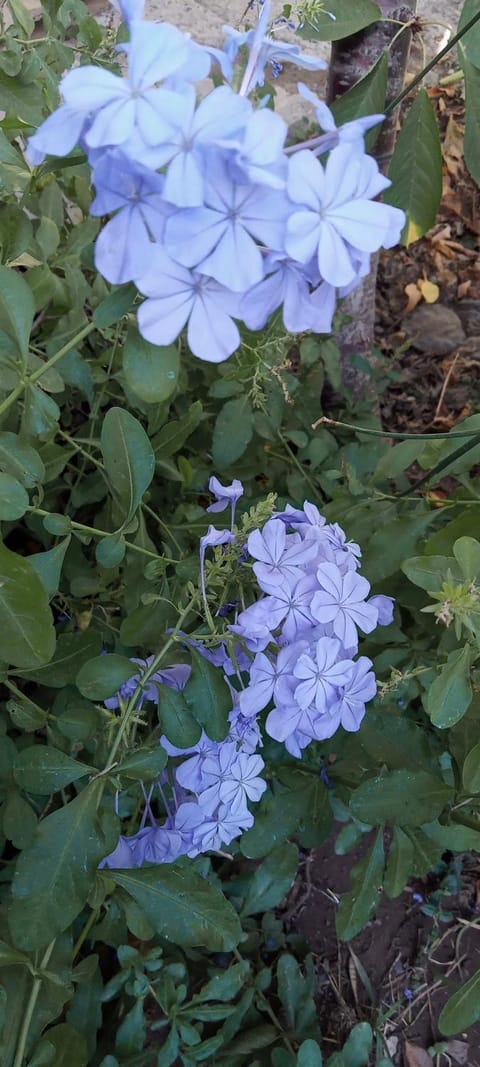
(464, 288)
(459, 1051)
(429, 291)
(416, 1056)
(414, 296)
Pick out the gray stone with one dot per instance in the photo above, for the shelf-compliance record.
(469, 312)
(434, 328)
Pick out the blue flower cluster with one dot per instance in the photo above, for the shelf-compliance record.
(206, 804)
(303, 630)
(295, 649)
(212, 217)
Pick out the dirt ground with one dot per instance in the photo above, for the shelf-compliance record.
(399, 972)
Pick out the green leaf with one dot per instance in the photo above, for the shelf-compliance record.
(399, 864)
(360, 903)
(317, 25)
(208, 697)
(296, 993)
(471, 141)
(467, 553)
(471, 770)
(15, 232)
(22, 17)
(70, 1047)
(40, 413)
(48, 565)
(129, 459)
(47, 238)
(54, 876)
(391, 544)
(463, 1009)
(356, 1050)
(450, 695)
(271, 880)
(17, 308)
(396, 460)
(428, 572)
(182, 906)
(72, 651)
(176, 720)
(20, 460)
(103, 676)
(176, 431)
(110, 551)
(150, 371)
(416, 169)
(44, 769)
(402, 798)
(27, 635)
(57, 524)
(19, 821)
(13, 498)
(309, 1054)
(232, 432)
(115, 306)
(143, 765)
(367, 97)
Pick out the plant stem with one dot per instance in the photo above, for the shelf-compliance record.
(131, 707)
(324, 421)
(84, 933)
(32, 378)
(24, 1032)
(433, 62)
(465, 820)
(94, 532)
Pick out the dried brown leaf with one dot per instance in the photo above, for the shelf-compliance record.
(416, 1056)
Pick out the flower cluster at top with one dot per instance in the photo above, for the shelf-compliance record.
(212, 217)
(294, 658)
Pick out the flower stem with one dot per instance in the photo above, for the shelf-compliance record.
(130, 708)
(36, 987)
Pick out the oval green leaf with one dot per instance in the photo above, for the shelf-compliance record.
(182, 906)
(44, 769)
(27, 634)
(401, 798)
(416, 169)
(13, 498)
(150, 371)
(129, 459)
(103, 676)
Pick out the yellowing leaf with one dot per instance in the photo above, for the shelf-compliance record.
(429, 291)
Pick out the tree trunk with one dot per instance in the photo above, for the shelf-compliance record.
(351, 59)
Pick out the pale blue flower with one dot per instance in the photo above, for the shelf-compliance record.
(279, 555)
(322, 675)
(359, 688)
(177, 297)
(219, 239)
(121, 106)
(190, 132)
(124, 244)
(335, 214)
(341, 601)
(227, 495)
